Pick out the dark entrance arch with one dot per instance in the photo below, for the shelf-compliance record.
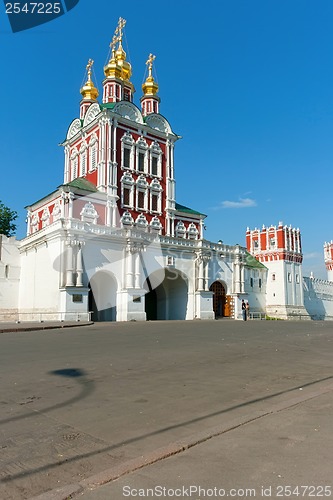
(169, 299)
(103, 297)
(221, 301)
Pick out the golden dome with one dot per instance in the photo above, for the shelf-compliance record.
(150, 87)
(89, 91)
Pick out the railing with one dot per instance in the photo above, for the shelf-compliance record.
(257, 315)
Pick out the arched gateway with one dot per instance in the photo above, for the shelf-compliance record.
(222, 303)
(103, 297)
(169, 299)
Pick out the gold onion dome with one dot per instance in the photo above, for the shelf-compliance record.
(89, 91)
(112, 69)
(150, 87)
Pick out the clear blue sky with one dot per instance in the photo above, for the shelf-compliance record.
(247, 84)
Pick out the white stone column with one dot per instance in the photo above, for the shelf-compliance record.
(206, 272)
(137, 270)
(69, 266)
(129, 267)
(70, 198)
(79, 266)
(201, 278)
(28, 222)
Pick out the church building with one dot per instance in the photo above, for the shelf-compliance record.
(111, 243)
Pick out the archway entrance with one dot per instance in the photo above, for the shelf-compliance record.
(103, 297)
(169, 299)
(222, 303)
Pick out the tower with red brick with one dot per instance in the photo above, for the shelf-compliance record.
(328, 256)
(279, 248)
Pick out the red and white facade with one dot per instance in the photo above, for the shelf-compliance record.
(112, 241)
(328, 257)
(279, 248)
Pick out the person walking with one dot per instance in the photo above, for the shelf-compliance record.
(243, 310)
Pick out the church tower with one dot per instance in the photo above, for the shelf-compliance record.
(328, 256)
(280, 250)
(150, 101)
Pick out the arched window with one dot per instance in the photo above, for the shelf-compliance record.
(127, 151)
(83, 159)
(93, 156)
(141, 155)
(127, 190)
(155, 196)
(141, 193)
(74, 164)
(155, 160)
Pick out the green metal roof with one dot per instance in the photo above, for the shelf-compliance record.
(182, 208)
(251, 261)
(81, 183)
(107, 105)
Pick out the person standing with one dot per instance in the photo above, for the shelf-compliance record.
(243, 310)
(247, 308)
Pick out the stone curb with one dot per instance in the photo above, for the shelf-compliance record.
(22, 328)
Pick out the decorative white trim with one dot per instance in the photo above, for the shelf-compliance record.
(129, 111)
(91, 114)
(89, 213)
(74, 128)
(158, 122)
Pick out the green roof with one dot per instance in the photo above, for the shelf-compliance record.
(251, 261)
(107, 105)
(84, 184)
(182, 208)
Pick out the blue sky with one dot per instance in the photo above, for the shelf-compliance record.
(247, 84)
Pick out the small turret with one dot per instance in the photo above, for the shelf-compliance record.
(89, 92)
(118, 71)
(150, 101)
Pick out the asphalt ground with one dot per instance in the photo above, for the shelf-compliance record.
(161, 401)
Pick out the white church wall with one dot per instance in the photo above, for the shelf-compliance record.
(10, 269)
(40, 281)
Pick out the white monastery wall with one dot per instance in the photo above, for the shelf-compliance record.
(9, 278)
(318, 298)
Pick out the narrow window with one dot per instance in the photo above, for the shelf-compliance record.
(289, 277)
(141, 162)
(141, 199)
(273, 277)
(93, 157)
(126, 159)
(154, 202)
(259, 282)
(126, 196)
(154, 161)
(251, 282)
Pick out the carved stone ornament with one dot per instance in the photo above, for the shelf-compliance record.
(141, 221)
(158, 122)
(180, 229)
(91, 114)
(74, 128)
(56, 212)
(129, 111)
(89, 213)
(155, 224)
(127, 219)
